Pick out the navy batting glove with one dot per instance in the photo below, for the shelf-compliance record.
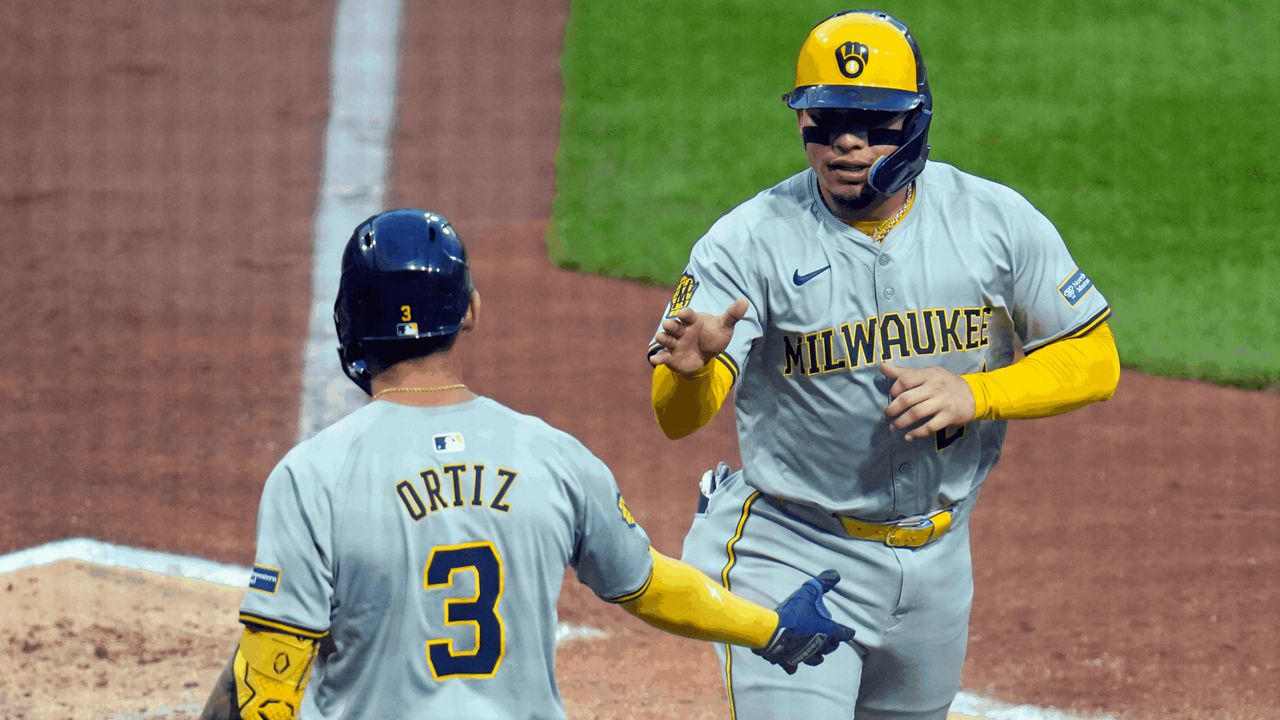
(806, 633)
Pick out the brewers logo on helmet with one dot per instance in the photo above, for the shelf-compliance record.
(851, 59)
(868, 60)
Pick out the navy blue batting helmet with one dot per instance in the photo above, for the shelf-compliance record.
(868, 60)
(405, 285)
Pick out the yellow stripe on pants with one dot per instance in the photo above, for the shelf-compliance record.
(724, 580)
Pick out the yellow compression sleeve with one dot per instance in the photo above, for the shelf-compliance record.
(682, 601)
(682, 404)
(271, 672)
(1061, 376)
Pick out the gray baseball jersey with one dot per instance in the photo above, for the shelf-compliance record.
(972, 264)
(426, 548)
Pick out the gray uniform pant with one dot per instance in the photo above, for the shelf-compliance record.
(909, 607)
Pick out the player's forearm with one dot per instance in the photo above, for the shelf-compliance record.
(268, 672)
(683, 601)
(1061, 376)
(684, 404)
(222, 703)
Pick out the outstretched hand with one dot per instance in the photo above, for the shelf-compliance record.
(690, 339)
(927, 400)
(806, 633)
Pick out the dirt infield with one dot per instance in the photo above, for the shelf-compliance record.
(161, 171)
(139, 645)
(160, 164)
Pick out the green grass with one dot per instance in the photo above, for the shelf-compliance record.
(1145, 131)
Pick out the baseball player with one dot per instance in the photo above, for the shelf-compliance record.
(410, 556)
(868, 311)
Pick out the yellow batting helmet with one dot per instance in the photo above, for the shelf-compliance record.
(868, 60)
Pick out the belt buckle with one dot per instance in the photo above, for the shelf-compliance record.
(889, 537)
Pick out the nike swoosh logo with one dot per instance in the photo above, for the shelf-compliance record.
(799, 279)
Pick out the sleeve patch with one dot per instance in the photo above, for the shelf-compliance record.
(1075, 287)
(626, 511)
(683, 294)
(264, 579)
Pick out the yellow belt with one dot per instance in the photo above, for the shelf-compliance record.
(897, 533)
(907, 534)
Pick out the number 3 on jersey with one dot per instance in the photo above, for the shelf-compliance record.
(480, 611)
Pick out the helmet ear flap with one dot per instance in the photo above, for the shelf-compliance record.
(891, 173)
(356, 368)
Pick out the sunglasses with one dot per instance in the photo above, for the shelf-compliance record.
(830, 123)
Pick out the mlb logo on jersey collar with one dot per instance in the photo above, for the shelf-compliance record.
(450, 443)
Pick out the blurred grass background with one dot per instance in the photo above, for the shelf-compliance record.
(1145, 131)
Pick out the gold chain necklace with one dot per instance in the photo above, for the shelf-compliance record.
(880, 232)
(438, 388)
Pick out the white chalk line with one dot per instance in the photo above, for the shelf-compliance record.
(970, 704)
(362, 99)
(129, 558)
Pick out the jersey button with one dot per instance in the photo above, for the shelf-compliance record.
(904, 468)
(888, 293)
(884, 260)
